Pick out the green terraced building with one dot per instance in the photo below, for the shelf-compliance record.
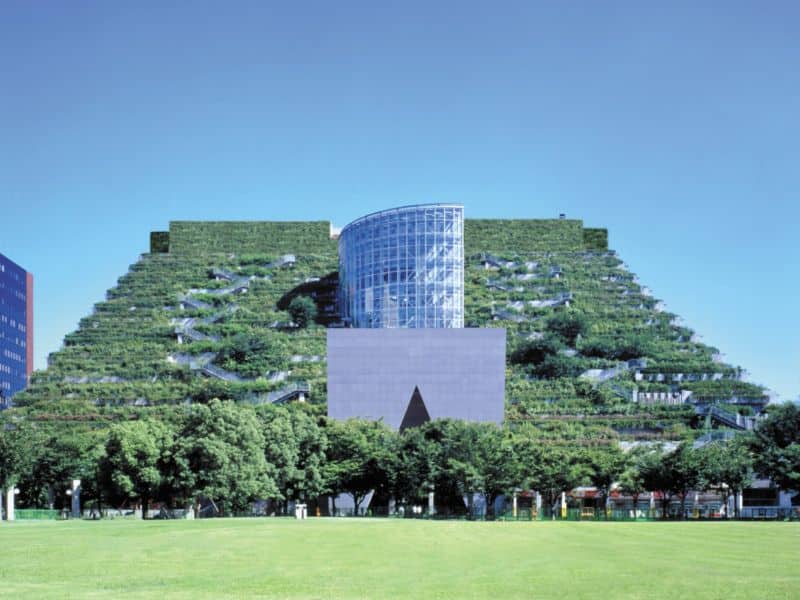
(205, 313)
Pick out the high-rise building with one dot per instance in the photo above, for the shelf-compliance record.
(16, 329)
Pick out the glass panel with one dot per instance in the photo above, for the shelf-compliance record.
(391, 254)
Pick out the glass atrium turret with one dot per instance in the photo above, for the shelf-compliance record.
(404, 267)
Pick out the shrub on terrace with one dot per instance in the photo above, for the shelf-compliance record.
(616, 348)
(242, 346)
(303, 311)
(535, 352)
(568, 325)
(555, 366)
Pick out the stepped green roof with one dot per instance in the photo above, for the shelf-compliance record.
(241, 237)
(127, 352)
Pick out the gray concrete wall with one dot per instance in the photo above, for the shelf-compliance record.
(460, 373)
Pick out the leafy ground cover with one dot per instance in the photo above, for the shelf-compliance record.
(387, 558)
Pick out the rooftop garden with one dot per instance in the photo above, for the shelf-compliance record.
(199, 317)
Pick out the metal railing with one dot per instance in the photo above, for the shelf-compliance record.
(220, 373)
(283, 394)
(732, 420)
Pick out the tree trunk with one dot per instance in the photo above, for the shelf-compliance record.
(356, 502)
(489, 505)
(635, 505)
(550, 498)
(145, 505)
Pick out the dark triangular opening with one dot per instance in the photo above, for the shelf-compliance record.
(416, 413)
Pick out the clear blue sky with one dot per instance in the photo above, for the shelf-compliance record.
(675, 125)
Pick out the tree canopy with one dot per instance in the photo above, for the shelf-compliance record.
(134, 465)
(219, 455)
(777, 446)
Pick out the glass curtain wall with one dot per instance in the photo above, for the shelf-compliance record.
(404, 267)
(13, 332)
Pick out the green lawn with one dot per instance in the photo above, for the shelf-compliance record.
(382, 558)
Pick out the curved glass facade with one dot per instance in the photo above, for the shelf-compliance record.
(404, 267)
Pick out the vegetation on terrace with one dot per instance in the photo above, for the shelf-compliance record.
(569, 304)
(243, 237)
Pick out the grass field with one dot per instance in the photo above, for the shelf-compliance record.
(383, 558)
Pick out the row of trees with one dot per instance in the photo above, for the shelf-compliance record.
(234, 454)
